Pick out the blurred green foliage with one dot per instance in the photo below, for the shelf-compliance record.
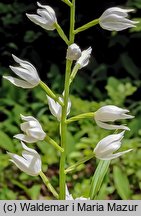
(112, 77)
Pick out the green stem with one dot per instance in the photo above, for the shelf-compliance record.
(67, 2)
(50, 92)
(53, 143)
(72, 22)
(64, 131)
(62, 182)
(81, 116)
(82, 161)
(98, 178)
(61, 33)
(48, 184)
(86, 26)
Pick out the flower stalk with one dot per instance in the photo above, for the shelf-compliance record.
(82, 161)
(50, 92)
(79, 117)
(86, 26)
(61, 33)
(53, 143)
(48, 184)
(67, 2)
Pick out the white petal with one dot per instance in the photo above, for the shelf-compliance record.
(111, 127)
(82, 198)
(26, 75)
(49, 10)
(36, 19)
(26, 64)
(53, 106)
(25, 138)
(24, 126)
(37, 133)
(112, 156)
(108, 141)
(68, 195)
(39, 21)
(29, 67)
(118, 11)
(111, 113)
(18, 82)
(33, 158)
(28, 149)
(28, 118)
(84, 59)
(19, 161)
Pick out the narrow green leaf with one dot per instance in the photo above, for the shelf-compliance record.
(121, 183)
(98, 177)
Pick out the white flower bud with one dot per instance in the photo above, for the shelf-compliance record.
(46, 17)
(105, 148)
(26, 71)
(84, 58)
(29, 162)
(73, 52)
(114, 19)
(56, 108)
(111, 113)
(32, 129)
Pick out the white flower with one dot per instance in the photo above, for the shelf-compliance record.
(84, 58)
(114, 19)
(46, 17)
(73, 52)
(111, 113)
(56, 108)
(29, 162)
(70, 197)
(105, 148)
(32, 129)
(26, 71)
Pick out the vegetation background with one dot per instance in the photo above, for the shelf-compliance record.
(112, 77)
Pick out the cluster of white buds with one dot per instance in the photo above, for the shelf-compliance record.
(74, 53)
